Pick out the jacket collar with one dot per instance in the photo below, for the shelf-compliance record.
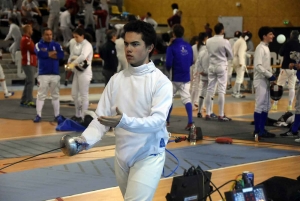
(143, 69)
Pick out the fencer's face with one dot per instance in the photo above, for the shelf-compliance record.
(30, 31)
(47, 36)
(135, 49)
(269, 37)
(78, 38)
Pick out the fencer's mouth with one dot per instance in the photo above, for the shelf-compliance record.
(128, 56)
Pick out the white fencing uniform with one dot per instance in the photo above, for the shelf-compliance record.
(141, 135)
(65, 26)
(2, 81)
(202, 65)
(239, 64)
(123, 64)
(219, 51)
(195, 77)
(262, 72)
(53, 19)
(88, 15)
(230, 64)
(151, 21)
(81, 79)
(15, 33)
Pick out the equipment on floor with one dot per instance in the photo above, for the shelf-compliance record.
(248, 193)
(224, 140)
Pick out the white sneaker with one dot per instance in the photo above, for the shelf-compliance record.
(238, 95)
(297, 140)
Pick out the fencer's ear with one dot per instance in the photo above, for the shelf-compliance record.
(150, 47)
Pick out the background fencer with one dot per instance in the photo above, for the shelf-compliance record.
(53, 19)
(48, 53)
(80, 50)
(287, 74)
(89, 14)
(141, 134)
(261, 81)
(239, 63)
(237, 35)
(15, 33)
(219, 51)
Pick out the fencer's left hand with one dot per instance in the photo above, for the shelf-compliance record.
(111, 121)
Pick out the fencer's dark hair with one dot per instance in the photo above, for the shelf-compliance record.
(174, 6)
(237, 34)
(295, 34)
(194, 40)
(12, 20)
(99, 8)
(263, 31)
(149, 14)
(201, 37)
(110, 34)
(79, 31)
(145, 29)
(178, 30)
(46, 29)
(218, 28)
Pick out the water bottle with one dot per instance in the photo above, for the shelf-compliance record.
(193, 135)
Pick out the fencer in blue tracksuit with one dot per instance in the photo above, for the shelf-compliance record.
(48, 53)
(179, 58)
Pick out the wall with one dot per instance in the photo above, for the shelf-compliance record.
(196, 13)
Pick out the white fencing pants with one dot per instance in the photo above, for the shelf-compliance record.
(14, 48)
(184, 91)
(52, 23)
(88, 16)
(80, 91)
(140, 182)
(67, 35)
(262, 95)
(100, 37)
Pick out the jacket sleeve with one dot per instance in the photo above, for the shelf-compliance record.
(161, 103)
(9, 33)
(258, 55)
(94, 132)
(228, 50)
(39, 52)
(59, 50)
(169, 58)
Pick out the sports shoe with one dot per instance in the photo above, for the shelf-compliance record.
(289, 108)
(256, 136)
(23, 104)
(31, 104)
(199, 115)
(266, 134)
(213, 116)
(274, 107)
(229, 86)
(188, 127)
(10, 93)
(238, 95)
(207, 117)
(37, 119)
(66, 83)
(224, 118)
(297, 140)
(57, 118)
(289, 133)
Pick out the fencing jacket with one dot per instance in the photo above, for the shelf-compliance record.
(142, 130)
(239, 52)
(202, 62)
(262, 62)
(84, 51)
(15, 33)
(65, 20)
(219, 50)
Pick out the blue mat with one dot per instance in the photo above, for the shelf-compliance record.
(64, 180)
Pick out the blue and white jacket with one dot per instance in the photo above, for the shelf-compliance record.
(179, 58)
(47, 65)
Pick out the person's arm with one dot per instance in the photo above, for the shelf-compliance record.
(242, 52)
(169, 58)
(36, 8)
(161, 103)
(8, 36)
(39, 52)
(94, 132)
(258, 55)
(60, 53)
(228, 50)
(69, 24)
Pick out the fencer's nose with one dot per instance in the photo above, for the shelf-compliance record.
(68, 145)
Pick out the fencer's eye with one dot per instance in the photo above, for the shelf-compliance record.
(135, 44)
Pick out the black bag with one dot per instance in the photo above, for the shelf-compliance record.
(193, 185)
(281, 189)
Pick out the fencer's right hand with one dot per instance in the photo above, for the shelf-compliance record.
(81, 143)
